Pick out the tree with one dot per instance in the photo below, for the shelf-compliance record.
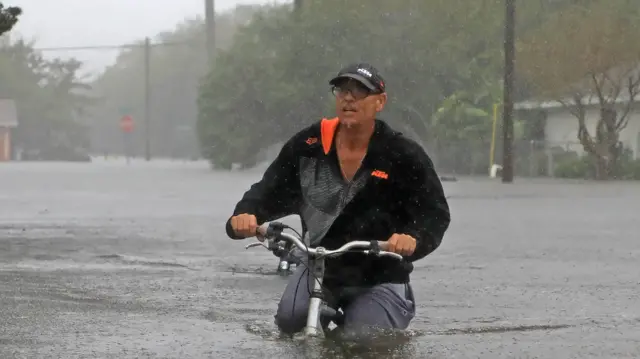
(291, 59)
(245, 94)
(50, 100)
(273, 80)
(8, 17)
(595, 61)
(178, 62)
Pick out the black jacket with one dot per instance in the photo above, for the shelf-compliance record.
(396, 190)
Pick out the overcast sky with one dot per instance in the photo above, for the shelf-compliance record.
(53, 23)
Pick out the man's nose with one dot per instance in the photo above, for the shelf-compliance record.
(348, 96)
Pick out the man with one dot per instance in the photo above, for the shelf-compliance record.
(352, 178)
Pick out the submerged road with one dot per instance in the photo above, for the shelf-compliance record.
(106, 260)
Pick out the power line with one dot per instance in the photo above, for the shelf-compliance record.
(112, 47)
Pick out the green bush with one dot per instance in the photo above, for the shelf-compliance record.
(629, 170)
(576, 167)
(583, 167)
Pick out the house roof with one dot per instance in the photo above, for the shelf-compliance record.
(554, 104)
(8, 113)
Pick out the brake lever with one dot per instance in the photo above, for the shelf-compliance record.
(255, 244)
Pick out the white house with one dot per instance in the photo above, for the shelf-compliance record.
(561, 127)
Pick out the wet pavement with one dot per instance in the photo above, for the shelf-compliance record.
(106, 260)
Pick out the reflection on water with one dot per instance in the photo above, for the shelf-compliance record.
(384, 344)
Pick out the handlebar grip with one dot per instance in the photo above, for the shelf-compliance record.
(383, 245)
(269, 229)
(262, 229)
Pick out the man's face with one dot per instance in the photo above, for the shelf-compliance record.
(356, 104)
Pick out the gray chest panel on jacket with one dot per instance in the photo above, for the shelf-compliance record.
(325, 194)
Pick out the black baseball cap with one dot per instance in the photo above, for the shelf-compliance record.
(363, 73)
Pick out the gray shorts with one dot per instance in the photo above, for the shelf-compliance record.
(384, 306)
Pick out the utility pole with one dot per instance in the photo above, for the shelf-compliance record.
(147, 99)
(210, 18)
(507, 113)
(297, 6)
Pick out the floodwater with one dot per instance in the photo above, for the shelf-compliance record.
(106, 260)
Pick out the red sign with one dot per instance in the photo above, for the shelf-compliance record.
(126, 124)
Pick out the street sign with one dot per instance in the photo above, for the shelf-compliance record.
(126, 124)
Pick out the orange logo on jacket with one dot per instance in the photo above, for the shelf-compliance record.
(311, 140)
(380, 174)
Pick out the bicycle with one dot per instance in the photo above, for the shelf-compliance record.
(273, 233)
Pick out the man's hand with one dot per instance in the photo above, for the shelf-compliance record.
(402, 244)
(244, 225)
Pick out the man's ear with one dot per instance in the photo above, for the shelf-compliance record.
(381, 101)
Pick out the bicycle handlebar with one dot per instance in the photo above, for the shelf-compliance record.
(273, 230)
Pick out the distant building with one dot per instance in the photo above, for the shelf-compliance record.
(561, 126)
(8, 121)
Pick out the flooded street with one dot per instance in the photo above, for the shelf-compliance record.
(106, 260)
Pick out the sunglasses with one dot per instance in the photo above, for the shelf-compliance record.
(356, 89)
